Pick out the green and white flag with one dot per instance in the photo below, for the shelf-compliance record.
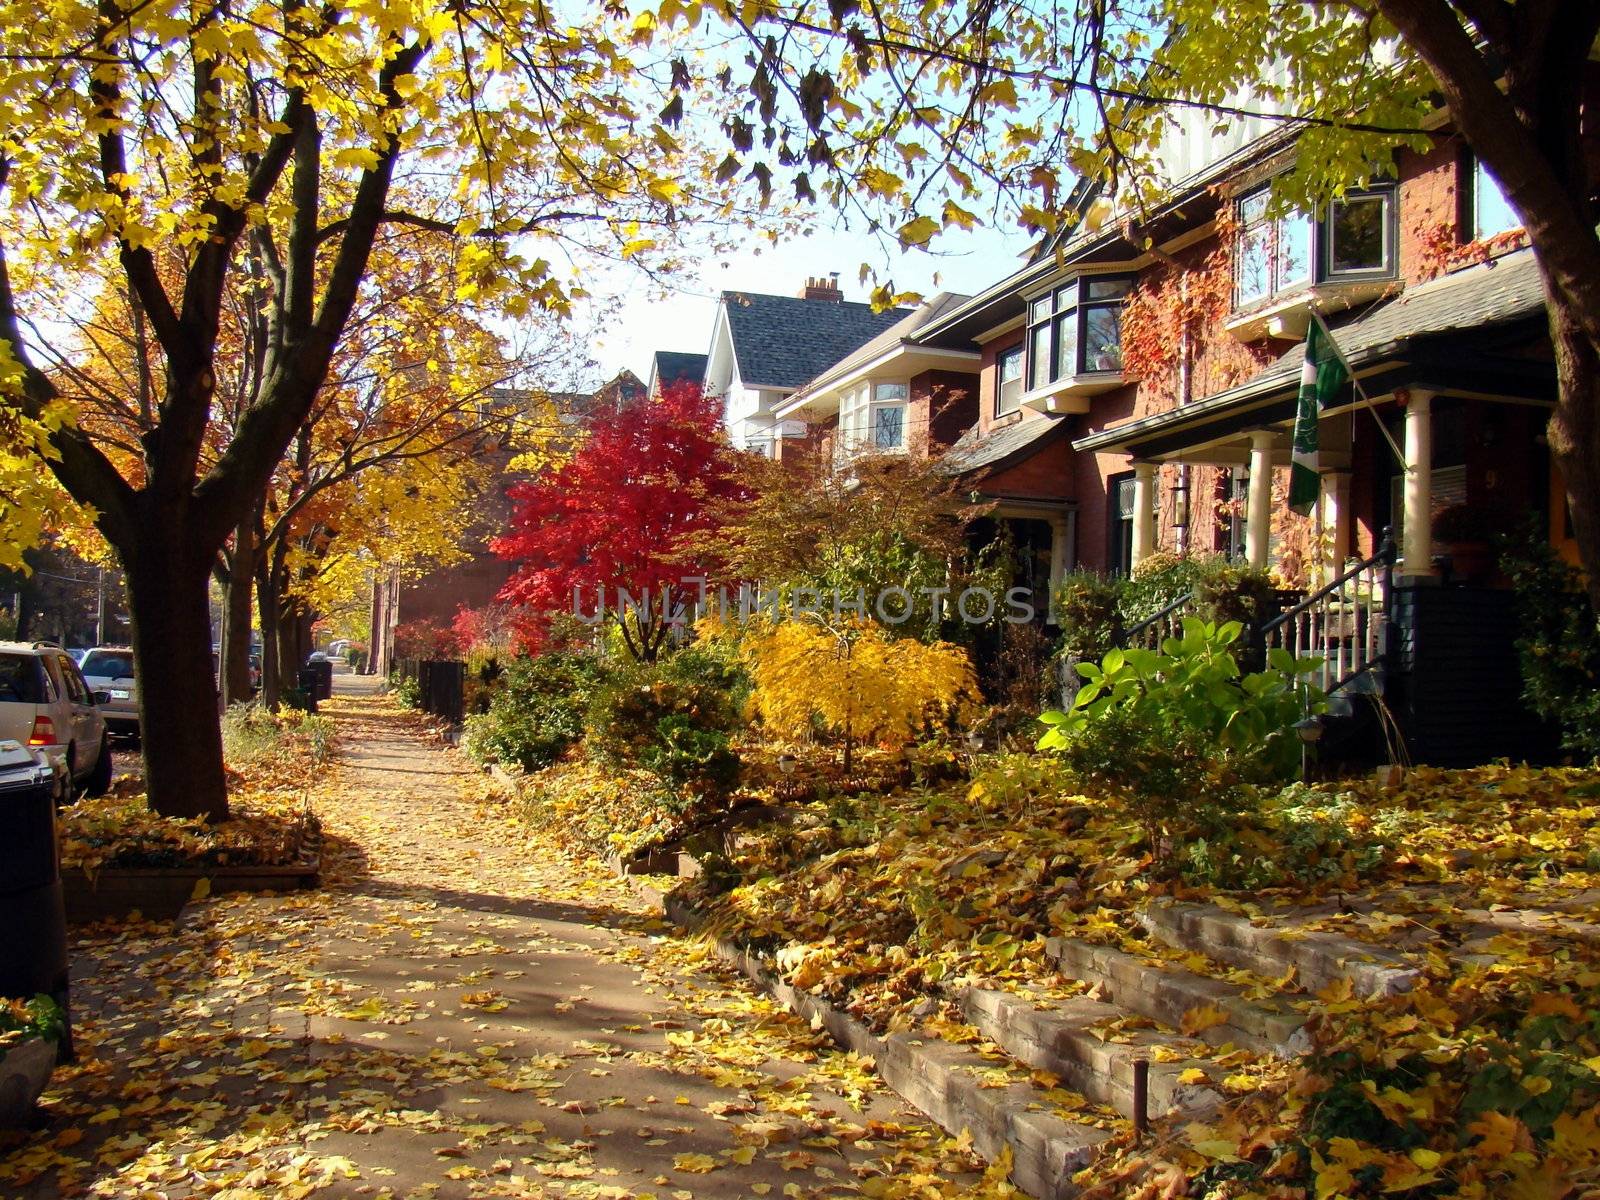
(1320, 380)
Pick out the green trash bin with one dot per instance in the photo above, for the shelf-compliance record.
(31, 908)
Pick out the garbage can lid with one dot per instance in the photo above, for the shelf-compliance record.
(20, 767)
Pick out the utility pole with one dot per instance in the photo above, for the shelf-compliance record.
(100, 609)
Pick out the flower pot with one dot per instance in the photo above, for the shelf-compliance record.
(1470, 561)
(24, 1071)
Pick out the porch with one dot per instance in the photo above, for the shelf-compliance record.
(1445, 419)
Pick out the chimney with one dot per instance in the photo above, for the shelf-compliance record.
(819, 288)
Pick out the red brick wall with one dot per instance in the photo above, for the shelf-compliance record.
(1045, 475)
(990, 381)
(942, 405)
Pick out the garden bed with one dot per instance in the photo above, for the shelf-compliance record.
(118, 857)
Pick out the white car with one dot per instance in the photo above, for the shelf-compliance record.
(109, 669)
(45, 704)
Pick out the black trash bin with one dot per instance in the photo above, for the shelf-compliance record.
(309, 687)
(31, 907)
(322, 672)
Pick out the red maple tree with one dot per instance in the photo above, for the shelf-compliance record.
(618, 518)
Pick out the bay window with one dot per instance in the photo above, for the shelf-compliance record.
(872, 417)
(1076, 330)
(1273, 256)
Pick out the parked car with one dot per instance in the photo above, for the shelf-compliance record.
(45, 704)
(109, 669)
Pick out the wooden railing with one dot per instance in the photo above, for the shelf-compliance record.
(1343, 623)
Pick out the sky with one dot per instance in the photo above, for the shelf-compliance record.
(680, 319)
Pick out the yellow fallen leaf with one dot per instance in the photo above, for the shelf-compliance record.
(695, 1164)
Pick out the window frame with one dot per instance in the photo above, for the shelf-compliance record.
(1069, 303)
(1019, 353)
(876, 403)
(1473, 175)
(1320, 231)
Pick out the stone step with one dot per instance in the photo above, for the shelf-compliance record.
(1319, 959)
(1063, 1038)
(1166, 993)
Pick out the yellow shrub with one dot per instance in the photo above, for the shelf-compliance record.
(854, 680)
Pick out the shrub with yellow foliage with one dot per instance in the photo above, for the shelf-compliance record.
(854, 680)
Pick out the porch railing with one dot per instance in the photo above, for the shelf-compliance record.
(1343, 623)
(1149, 633)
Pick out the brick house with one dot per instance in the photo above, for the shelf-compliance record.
(438, 595)
(1132, 389)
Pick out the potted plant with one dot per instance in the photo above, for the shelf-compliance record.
(1466, 532)
(29, 1033)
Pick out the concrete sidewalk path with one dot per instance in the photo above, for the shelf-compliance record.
(450, 1017)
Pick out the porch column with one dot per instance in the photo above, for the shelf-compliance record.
(1416, 532)
(1334, 519)
(1258, 505)
(1144, 515)
(1060, 548)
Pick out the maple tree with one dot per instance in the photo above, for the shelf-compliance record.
(614, 533)
(269, 149)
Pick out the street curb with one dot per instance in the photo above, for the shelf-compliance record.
(940, 1079)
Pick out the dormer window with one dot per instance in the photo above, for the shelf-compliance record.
(1076, 330)
(1279, 256)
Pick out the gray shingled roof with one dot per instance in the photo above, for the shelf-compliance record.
(977, 452)
(674, 366)
(784, 341)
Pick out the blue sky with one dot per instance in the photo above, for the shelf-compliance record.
(680, 318)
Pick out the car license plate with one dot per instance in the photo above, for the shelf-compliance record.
(117, 694)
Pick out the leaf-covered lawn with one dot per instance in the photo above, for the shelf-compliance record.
(1483, 1082)
(453, 1017)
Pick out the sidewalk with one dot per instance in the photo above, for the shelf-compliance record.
(450, 1019)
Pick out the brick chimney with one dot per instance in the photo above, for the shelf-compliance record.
(819, 288)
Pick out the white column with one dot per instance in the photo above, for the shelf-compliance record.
(1334, 520)
(1416, 535)
(1060, 548)
(1258, 505)
(1144, 516)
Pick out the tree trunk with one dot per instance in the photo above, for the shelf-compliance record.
(180, 730)
(236, 617)
(272, 681)
(1575, 434)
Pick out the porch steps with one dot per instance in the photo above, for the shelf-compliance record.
(1167, 994)
(1270, 949)
(1071, 1040)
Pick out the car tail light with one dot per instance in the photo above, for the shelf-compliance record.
(44, 732)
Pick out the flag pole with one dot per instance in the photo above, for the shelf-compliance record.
(1355, 385)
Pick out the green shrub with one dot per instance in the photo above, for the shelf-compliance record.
(1300, 837)
(674, 720)
(1228, 591)
(22, 1021)
(1088, 608)
(535, 714)
(1178, 736)
(1158, 581)
(1558, 642)
(407, 693)
(715, 665)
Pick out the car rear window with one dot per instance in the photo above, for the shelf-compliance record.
(108, 665)
(21, 681)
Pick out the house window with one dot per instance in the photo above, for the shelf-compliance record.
(1488, 212)
(1008, 386)
(889, 416)
(1076, 330)
(1119, 546)
(1278, 255)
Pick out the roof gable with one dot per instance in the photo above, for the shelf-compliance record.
(784, 341)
